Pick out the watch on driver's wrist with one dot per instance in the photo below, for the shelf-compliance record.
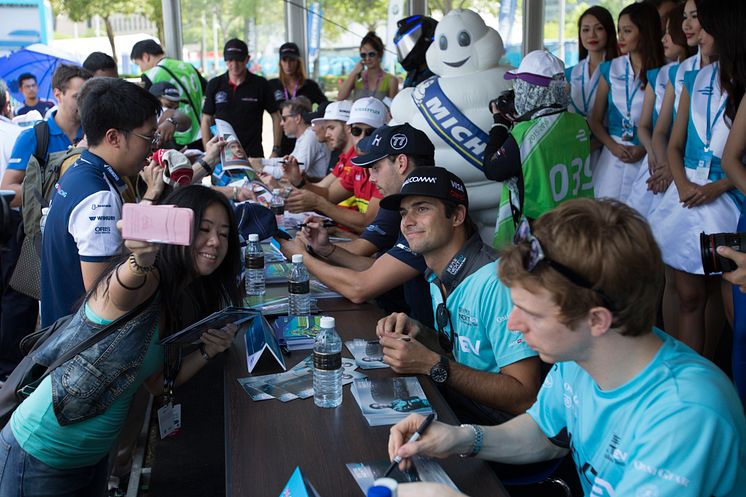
(440, 371)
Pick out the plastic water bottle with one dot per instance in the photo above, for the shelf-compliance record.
(300, 293)
(43, 220)
(254, 267)
(327, 365)
(277, 204)
(379, 491)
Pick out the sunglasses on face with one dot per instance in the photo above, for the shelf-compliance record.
(536, 256)
(283, 117)
(357, 131)
(443, 319)
(368, 55)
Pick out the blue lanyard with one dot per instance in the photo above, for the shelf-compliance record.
(711, 124)
(587, 101)
(626, 89)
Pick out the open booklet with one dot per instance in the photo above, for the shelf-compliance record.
(233, 155)
(386, 401)
(423, 469)
(216, 320)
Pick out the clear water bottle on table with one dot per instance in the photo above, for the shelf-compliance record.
(327, 365)
(299, 289)
(254, 267)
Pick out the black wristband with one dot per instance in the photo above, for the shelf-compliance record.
(205, 165)
(130, 288)
(302, 182)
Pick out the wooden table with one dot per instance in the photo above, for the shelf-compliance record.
(266, 440)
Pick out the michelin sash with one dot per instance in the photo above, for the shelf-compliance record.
(449, 123)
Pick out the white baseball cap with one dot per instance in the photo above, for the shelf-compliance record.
(336, 111)
(538, 68)
(368, 110)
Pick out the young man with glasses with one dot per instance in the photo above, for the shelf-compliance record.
(640, 412)
(350, 268)
(81, 235)
(352, 189)
(311, 155)
(31, 101)
(493, 375)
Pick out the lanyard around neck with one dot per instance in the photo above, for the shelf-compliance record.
(295, 91)
(629, 97)
(378, 80)
(587, 101)
(711, 123)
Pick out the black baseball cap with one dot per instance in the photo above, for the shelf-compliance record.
(289, 49)
(166, 90)
(316, 114)
(235, 49)
(395, 140)
(437, 182)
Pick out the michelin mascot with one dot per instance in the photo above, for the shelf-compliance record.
(452, 107)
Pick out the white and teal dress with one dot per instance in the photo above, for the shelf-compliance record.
(583, 89)
(677, 228)
(640, 197)
(613, 178)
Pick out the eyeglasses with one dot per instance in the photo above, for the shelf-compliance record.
(536, 255)
(357, 131)
(286, 116)
(443, 318)
(368, 55)
(154, 140)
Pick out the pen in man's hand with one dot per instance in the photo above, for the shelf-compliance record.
(328, 223)
(416, 436)
(297, 162)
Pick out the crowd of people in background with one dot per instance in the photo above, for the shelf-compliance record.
(584, 328)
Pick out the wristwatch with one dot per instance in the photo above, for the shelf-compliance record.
(202, 162)
(439, 372)
(172, 121)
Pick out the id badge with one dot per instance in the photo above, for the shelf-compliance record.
(169, 420)
(702, 172)
(628, 130)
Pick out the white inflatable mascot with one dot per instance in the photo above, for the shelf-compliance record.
(453, 106)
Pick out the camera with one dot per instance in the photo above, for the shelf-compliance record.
(505, 103)
(708, 244)
(6, 231)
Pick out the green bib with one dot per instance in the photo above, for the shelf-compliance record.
(555, 160)
(191, 104)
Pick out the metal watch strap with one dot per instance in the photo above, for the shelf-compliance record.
(476, 445)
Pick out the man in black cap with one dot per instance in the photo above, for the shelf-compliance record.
(487, 372)
(156, 68)
(240, 98)
(293, 82)
(349, 268)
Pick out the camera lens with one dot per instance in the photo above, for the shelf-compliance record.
(711, 261)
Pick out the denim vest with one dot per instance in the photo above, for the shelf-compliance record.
(86, 385)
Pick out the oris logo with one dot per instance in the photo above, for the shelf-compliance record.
(398, 141)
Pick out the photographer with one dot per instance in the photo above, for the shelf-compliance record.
(738, 276)
(536, 147)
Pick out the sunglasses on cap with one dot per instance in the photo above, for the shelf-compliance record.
(357, 131)
(368, 55)
(443, 319)
(536, 256)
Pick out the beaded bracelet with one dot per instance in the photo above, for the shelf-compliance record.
(137, 268)
(476, 446)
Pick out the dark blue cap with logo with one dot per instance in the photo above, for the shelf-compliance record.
(395, 140)
(437, 182)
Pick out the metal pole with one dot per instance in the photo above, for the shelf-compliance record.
(561, 29)
(295, 27)
(533, 25)
(418, 7)
(172, 28)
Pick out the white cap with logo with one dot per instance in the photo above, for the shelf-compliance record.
(368, 110)
(336, 111)
(538, 68)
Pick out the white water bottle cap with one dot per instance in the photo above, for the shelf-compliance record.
(297, 258)
(327, 322)
(253, 237)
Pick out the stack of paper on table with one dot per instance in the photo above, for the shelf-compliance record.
(386, 401)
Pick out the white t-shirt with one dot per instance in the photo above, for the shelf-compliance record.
(8, 134)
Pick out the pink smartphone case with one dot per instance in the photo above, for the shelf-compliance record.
(157, 224)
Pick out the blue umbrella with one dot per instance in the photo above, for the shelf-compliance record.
(37, 59)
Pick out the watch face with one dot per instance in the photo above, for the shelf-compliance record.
(438, 373)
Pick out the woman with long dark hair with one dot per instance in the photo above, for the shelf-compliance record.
(292, 82)
(732, 50)
(58, 439)
(621, 91)
(367, 78)
(596, 44)
(675, 49)
(703, 198)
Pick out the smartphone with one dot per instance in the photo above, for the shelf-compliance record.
(166, 224)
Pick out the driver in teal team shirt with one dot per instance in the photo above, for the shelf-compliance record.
(641, 413)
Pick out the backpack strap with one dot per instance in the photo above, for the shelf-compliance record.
(41, 130)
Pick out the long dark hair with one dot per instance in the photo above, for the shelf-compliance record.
(604, 17)
(674, 21)
(645, 16)
(185, 296)
(725, 21)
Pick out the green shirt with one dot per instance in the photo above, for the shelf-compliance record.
(555, 163)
